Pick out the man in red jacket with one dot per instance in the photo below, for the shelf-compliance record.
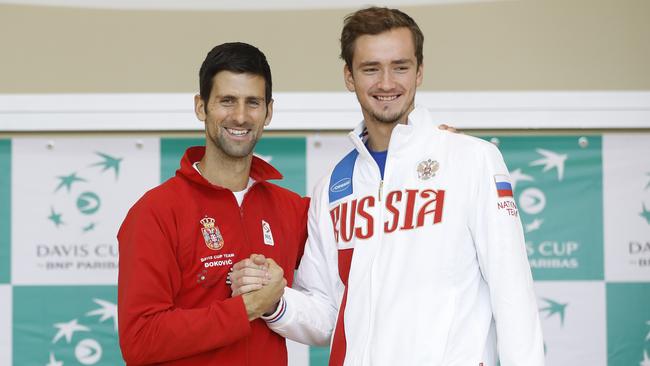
(179, 241)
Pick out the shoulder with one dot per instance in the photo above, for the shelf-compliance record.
(461, 139)
(146, 211)
(473, 147)
(160, 198)
(163, 190)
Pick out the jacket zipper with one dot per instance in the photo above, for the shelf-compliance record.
(371, 285)
(248, 245)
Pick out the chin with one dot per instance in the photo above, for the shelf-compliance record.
(236, 150)
(238, 154)
(388, 117)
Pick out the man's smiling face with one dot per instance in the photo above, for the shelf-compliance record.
(385, 75)
(236, 113)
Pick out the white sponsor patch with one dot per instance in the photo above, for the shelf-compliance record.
(266, 232)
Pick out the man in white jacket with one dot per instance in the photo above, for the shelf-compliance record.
(416, 253)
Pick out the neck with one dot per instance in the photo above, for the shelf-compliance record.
(225, 171)
(379, 135)
(379, 132)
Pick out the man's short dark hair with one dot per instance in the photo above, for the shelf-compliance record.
(237, 57)
(373, 21)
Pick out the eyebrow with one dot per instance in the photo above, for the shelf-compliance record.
(256, 99)
(232, 96)
(224, 96)
(369, 63)
(401, 61)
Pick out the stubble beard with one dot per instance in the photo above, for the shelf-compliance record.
(233, 150)
(391, 118)
(387, 118)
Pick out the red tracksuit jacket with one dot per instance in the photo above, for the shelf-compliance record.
(177, 245)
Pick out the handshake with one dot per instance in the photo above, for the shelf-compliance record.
(261, 283)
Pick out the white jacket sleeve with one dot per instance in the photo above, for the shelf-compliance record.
(501, 250)
(311, 307)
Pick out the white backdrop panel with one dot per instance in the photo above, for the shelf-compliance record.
(5, 324)
(323, 152)
(573, 321)
(69, 197)
(626, 207)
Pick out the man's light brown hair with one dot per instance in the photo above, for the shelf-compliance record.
(373, 21)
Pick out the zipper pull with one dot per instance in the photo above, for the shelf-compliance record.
(381, 188)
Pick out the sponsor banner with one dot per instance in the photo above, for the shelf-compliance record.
(69, 197)
(286, 154)
(557, 183)
(5, 325)
(319, 356)
(65, 325)
(323, 153)
(171, 153)
(62, 200)
(628, 324)
(5, 211)
(626, 183)
(573, 321)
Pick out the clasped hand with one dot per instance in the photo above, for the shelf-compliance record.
(261, 283)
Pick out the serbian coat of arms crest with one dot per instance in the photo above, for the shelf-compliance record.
(211, 234)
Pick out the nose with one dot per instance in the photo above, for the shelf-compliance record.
(386, 81)
(239, 113)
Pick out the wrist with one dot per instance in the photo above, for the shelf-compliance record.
(274, 316)
(252, 307)
(273, 310)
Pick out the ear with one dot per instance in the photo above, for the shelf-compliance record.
(419, 76)
(269, 113)
(349, 79)
(199, 108)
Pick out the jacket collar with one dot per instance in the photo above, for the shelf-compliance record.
(260, 169)
(418, 119)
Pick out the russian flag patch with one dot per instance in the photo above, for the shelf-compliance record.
(504, 188)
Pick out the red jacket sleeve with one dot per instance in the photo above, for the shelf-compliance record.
(151, 328)
(301, 230)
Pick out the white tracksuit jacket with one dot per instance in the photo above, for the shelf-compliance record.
(427, 267)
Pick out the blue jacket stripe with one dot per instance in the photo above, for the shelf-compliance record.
(341, 178)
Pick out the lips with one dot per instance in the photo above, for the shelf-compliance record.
(237, 132)
(386, 98)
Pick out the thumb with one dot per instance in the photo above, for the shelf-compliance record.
(258, 259)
